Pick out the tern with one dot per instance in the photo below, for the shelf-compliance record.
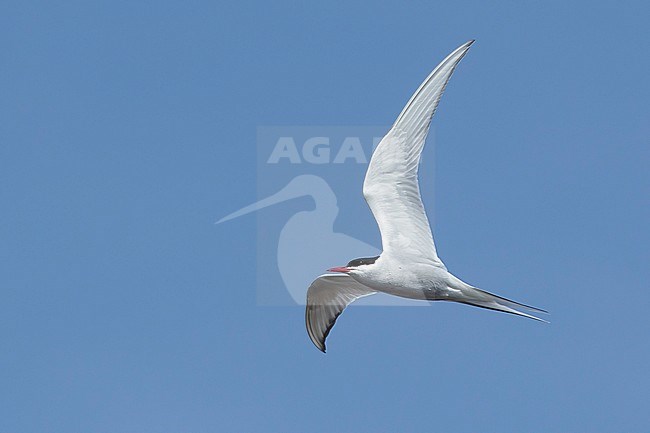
(408, 265)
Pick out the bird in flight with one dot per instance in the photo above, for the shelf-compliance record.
(408, 265)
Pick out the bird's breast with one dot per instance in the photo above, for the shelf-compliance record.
(408, 281)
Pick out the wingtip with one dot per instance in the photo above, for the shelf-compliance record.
(320, 346)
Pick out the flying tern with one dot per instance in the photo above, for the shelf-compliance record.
(408, 266)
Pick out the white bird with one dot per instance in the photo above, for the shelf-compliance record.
(408, 265)
(297, 260)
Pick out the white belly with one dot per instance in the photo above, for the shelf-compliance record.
(417, 281)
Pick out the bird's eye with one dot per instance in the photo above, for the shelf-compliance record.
(362, 261)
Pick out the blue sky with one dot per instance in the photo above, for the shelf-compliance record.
(128, 129)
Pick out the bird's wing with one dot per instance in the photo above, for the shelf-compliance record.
(391, 184)
(327, 297)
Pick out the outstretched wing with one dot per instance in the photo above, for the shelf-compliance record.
(327, 297)
(391, 184)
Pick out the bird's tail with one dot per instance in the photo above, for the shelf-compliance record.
(481, 298)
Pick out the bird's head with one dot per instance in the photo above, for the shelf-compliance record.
(356, 266)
